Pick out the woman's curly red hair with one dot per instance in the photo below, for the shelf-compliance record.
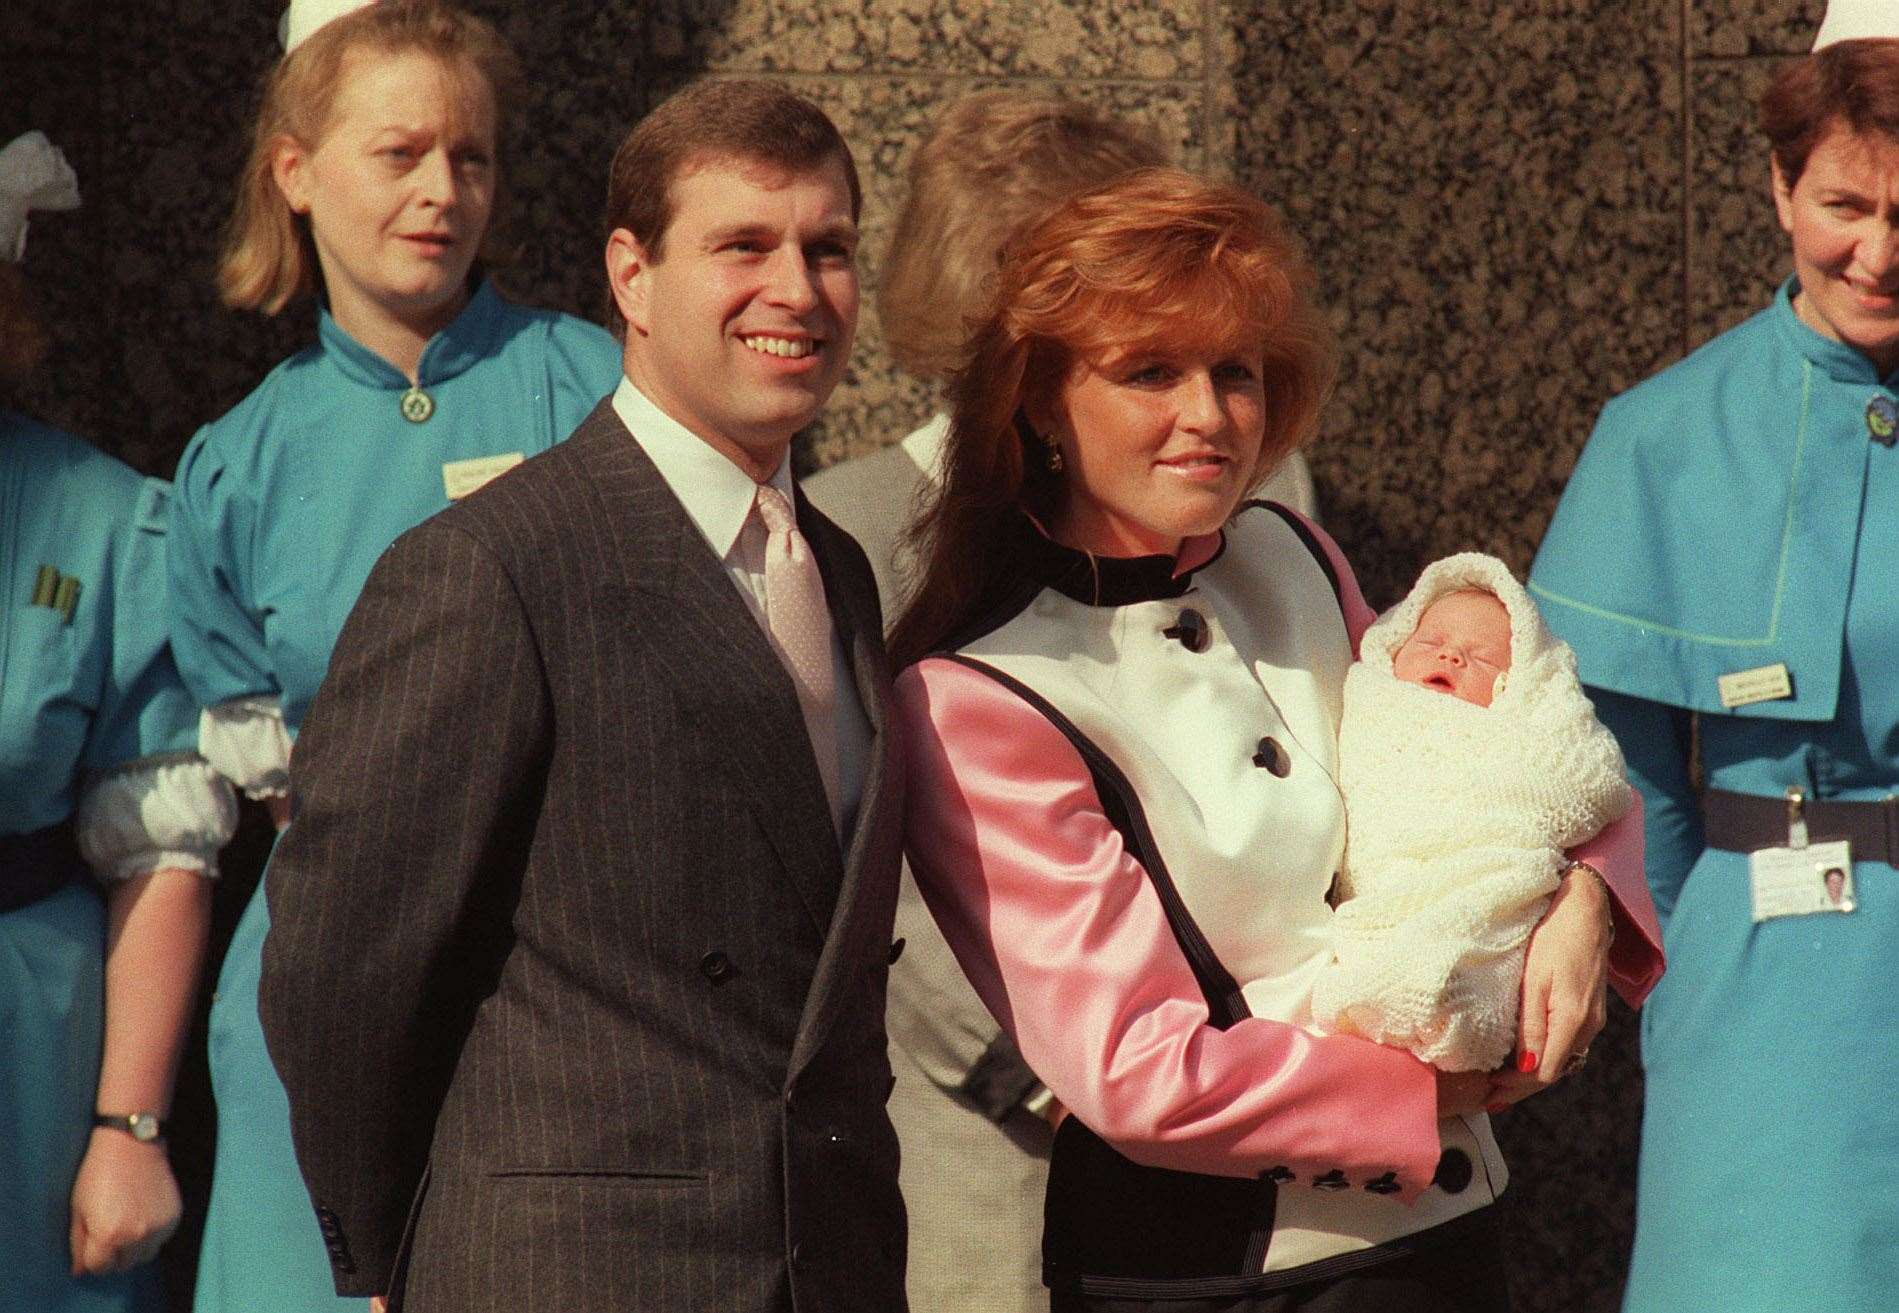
(1157, 258)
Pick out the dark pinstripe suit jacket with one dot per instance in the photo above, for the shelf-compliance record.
(578, 1003)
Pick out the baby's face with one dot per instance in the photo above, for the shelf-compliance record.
(1461, 645)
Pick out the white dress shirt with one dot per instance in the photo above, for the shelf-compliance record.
(718, 497)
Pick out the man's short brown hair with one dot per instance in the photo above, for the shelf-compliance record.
(716, 120)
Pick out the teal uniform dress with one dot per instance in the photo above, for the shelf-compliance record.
(1735, 513)
(96, 754)
(284, 504)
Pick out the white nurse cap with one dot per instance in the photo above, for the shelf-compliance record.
(1857, 20)
(33, 176)
(306, 16)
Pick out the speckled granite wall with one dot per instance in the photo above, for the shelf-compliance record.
(1517, 207)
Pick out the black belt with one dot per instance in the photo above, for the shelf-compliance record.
(34, 866)
(1746, 822)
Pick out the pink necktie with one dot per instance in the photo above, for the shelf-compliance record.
(800, 626)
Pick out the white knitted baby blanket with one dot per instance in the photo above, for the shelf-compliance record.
(1457, 818)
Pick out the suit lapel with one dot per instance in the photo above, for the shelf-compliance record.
(730, 685)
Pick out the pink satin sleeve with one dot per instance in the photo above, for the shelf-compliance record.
(1635, 959)
(1064, 937)
(1635, 962)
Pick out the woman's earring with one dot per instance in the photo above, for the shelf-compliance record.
(1055, 461)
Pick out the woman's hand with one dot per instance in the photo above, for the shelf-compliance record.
(1565, 983)
(125, 1204)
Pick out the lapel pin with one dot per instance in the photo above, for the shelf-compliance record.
(1882, 420)
(417, 405)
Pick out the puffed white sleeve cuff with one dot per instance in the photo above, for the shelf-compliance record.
(245, 740)
(158, 813)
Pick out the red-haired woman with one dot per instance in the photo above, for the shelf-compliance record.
(1122, 708)
(1725, 554)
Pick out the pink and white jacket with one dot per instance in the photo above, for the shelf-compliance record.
(1123, 814)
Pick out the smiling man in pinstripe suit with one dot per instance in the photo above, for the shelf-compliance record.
(582, 928)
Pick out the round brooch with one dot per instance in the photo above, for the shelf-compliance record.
(417, 405)
(1882, 420)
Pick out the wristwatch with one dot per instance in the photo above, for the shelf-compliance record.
(141, 1126)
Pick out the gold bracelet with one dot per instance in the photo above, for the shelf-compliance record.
(1609, 895)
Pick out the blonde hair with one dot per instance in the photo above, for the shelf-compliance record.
(997, 159)
(1155, 258)
(269, 258)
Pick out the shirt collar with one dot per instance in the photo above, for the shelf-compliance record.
(717, 494)
(1836, 360)
(469, 337)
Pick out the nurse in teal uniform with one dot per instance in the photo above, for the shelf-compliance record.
(1727, 557)
(371, 181)
(109, 827)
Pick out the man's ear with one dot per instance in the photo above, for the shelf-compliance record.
(627, 280)
(290, 170)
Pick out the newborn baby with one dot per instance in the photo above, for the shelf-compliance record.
(1469, 759)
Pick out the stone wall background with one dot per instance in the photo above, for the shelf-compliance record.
(1517, 208)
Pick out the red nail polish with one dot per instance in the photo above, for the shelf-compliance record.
(1526, 1062)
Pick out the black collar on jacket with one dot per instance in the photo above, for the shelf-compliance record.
(1098, 580)
(1039, 563)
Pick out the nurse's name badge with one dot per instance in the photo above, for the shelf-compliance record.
(1743, 688)
(1882, 420)
(417, 406)
(1802, 878)
(462, 477)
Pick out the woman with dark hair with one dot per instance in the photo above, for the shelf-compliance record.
(110, 827)
(374, 181)
(1121, 711)
(1723, 563)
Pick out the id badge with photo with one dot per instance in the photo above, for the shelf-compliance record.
(1801, 881)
